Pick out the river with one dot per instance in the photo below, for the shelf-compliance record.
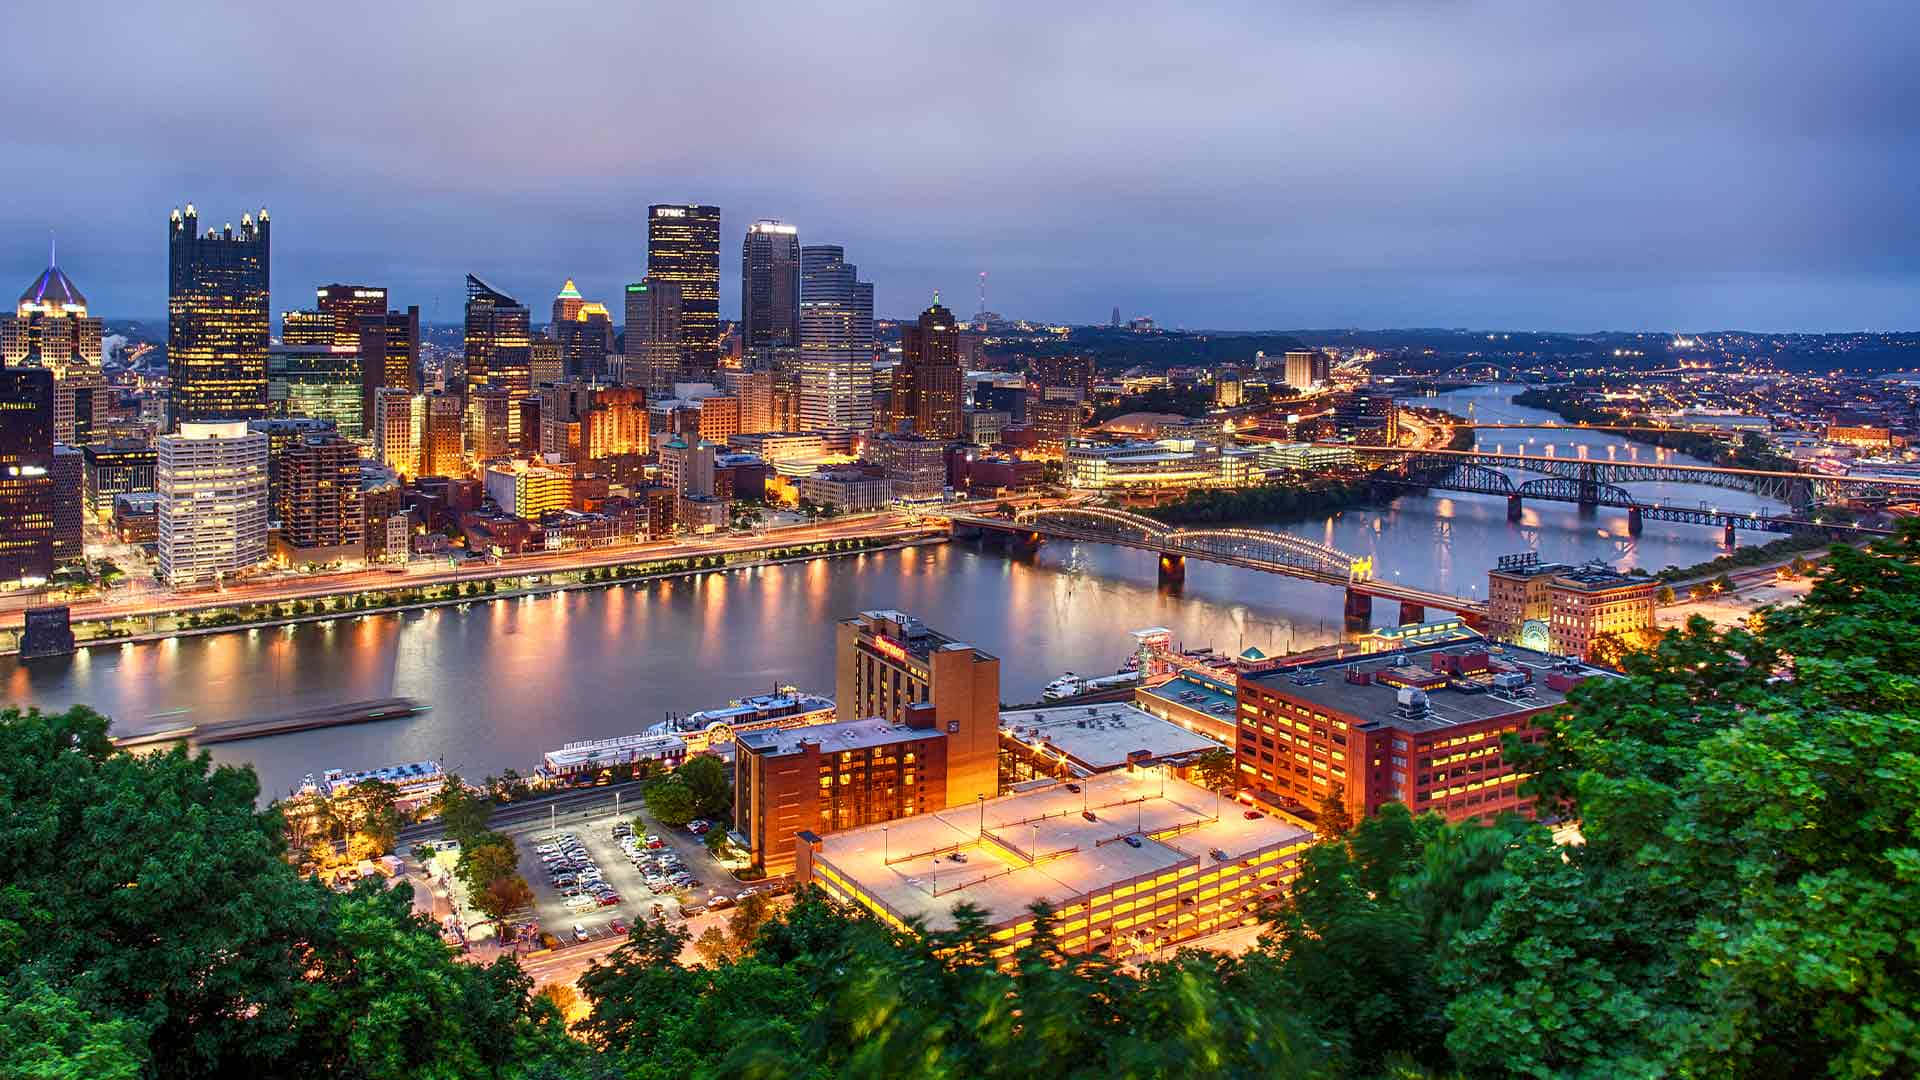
(509, 679)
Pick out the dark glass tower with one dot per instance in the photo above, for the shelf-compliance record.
(26, 474)
(683, 247)
(770, 286)
(218, 321)
(499, 347)
(926, 385)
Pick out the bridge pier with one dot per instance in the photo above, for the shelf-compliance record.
(1411, 613)
(1728, 539)
(1173, 569)
(1513, 508)
(1359, 610)
(1633, 521)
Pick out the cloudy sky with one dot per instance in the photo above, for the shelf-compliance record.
(1369, 163)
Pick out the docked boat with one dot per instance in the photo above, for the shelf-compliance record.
(1065, 686)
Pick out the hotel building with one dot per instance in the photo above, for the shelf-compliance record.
(1419, 726)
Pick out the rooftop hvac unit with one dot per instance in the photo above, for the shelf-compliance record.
(1509, 681)
(1413, 701)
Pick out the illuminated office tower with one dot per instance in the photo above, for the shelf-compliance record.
(496, 341)
(926, 385)
(585, 339)
(218, 321)
(499, 346)
(398, 426)
(26, 476)
(388, 346)
(683, 247)
(547, 363)
(654, 316)
(50, 328)
(835, 370)
(442, 436)
(344, 306)
(305, 329)
(487, 411)
(212, 481)
(567, 305)
(770, 286)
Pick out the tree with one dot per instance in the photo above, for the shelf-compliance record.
(485, 859)
(708, 780)
(716, 841)
(1663, 595)
(1333, 819)
(670, 801)
(462, 813)
(1216, 770)
(749, 915)
(369, 811)
(502, 897)
(45, 1035)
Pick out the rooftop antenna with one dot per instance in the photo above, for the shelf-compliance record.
(983, 292)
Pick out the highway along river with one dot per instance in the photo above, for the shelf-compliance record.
(509, 679)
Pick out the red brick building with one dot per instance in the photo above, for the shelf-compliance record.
(1420, 726)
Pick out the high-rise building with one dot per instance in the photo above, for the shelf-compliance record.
(893, 667)
(1306, 368)
(487, 411)
(567, 304)
(1071, 370)
(770, 286)
(69, 519)
(548, 364)
(212, 481)
(26, 476)
(1054, 423)
(319, 502)
(218, 319)
(344, 306)
(441, 436)
(117, 467)
(282, 433)
(927, 384)
(653, 331)
(388, 345)
(306, 328)
(496, 341)
(683, 247)
(616, 423)
(586, 340)
(835, 370)
(50, 328)
(399, 425)
(915, 466)
(316, 381)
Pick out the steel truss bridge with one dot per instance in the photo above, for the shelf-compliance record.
(1796, 489)
(1249, 549)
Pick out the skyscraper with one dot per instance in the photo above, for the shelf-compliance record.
(218, 321)
(926, 385)
(399, 427)
(585, 339)
(654, 317)
(26, 475)
(683, 247)
(319, 504)
(567, 303)
(50, 328)
(835, 371)
(213, 501)
(770, 286)
(499, 348)
(344, 306)
(388, 344)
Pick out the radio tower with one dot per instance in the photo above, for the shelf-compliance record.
(981, 315)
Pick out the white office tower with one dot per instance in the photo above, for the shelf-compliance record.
(835, 372)
(212, 479)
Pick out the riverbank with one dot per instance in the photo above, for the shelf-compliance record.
(507, 585)
(1265, 504)
(1748, 451)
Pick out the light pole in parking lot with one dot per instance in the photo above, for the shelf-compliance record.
(553, 818)
(885, 851)
(616, 803)
(982, 800)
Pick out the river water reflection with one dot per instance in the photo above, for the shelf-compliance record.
(509, 679)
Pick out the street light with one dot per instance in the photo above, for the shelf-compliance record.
(1034, 856)
(982, 801)
(885, 850)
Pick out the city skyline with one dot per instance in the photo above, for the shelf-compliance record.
(1482, 166)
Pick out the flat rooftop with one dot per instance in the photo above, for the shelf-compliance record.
(1197, 694)
(1462, 699)
(843, 735)
(1100, 737)
(920, 640)
(1036, 845)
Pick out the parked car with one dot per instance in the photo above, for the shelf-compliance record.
(548, 941)
(1132, 841)
(579, 932)
(720, 902)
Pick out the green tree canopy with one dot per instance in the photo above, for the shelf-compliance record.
(670, 801)
(711, 784)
